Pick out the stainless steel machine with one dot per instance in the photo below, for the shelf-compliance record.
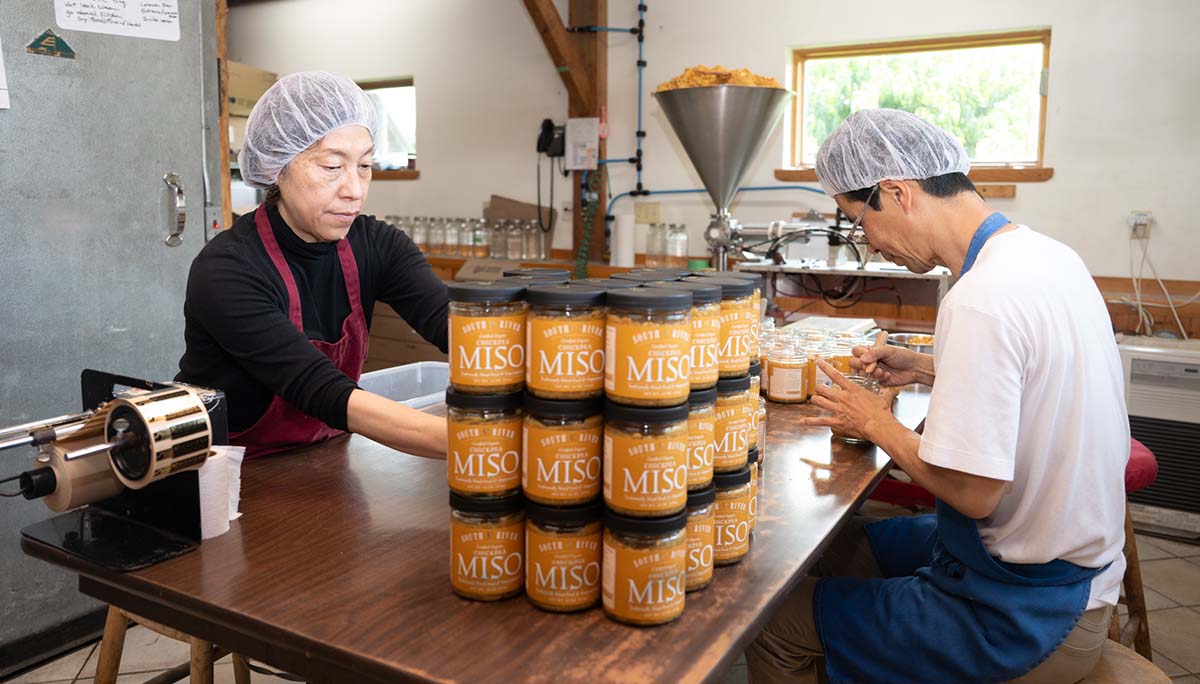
(123, 471)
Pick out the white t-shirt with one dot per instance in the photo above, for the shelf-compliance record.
(1029, 390)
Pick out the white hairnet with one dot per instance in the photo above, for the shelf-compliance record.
(295, 112)
(886, 144)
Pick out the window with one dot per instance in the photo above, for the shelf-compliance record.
(988, 90)
(396, 139)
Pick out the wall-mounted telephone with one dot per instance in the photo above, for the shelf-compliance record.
(551, 139)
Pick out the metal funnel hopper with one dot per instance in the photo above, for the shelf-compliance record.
(722, 129)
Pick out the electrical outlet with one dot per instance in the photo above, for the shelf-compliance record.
(1139, 224)
(566, 207)
(647, 212)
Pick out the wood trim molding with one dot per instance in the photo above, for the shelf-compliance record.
(395, 174)
(979, 174)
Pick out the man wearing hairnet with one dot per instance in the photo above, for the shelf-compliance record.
(1015, 576)
(278, 307)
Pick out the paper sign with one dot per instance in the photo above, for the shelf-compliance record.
(3, 82)
(157, 19)
(582, 144)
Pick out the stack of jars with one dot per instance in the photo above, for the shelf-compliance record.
(630, 501)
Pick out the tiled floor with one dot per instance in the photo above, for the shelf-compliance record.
(1170, 573)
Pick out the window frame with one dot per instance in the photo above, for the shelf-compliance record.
(391, 174)
(961, 42)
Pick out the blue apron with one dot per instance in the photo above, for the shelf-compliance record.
(946, 611)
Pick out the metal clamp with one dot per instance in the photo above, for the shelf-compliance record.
(175, 237)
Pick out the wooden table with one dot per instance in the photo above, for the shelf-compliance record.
(338, 570)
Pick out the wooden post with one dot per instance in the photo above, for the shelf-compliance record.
(223, 119)
(582, 61)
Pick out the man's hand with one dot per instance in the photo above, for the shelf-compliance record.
(896, 366)
(851, 408)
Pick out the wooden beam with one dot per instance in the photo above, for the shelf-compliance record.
(1008, 191)
(223, 119)
(563, 50)
(593, 51)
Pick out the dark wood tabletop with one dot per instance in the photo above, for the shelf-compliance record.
(338, 571)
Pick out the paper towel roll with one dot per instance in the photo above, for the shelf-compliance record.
(233, 459)
(214, 496)
(621, 247)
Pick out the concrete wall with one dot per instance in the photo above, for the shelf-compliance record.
(1120, 132)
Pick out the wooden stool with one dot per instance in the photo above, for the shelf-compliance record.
(199, 667)
(1119, 665)
(1136, 633)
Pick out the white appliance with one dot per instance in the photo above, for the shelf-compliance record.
(1162, 393)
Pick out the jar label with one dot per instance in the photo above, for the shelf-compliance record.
(487, 561)
(706, 340)
(736, 329)
(731, 430)
(700, 534)
(487, 351)
(565, 355)
(562, 571)
(484, 457)
(701, 448)
(752, 421)
(754, 315)
(788, 383)
(731, 537)
(765, 376)
(645, 475)
(644, 585)
(561, 464)
(754, 498)
(648, 361)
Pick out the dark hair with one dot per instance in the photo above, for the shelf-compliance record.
(947, 185)
(272, 197)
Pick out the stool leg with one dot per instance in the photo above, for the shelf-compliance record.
(111, 646)
(1135, 596)
(241, 672)
(201, 661)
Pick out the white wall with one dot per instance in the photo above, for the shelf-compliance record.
(1120, 133)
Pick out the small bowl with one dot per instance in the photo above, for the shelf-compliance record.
(923, 343)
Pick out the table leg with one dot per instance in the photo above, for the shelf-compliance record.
(111, 645)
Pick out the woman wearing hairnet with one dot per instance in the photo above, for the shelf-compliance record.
(1015, 577)
(278, 306)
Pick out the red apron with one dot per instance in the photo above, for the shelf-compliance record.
(284, 426)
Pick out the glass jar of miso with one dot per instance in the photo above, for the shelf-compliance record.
(700, 536)
(487, 337)
(562, 556)
(644, 568)
(706, 330)
(483, 455)
(648, 341)
(733, 354)
(487, 547)
(732, 509)
(564, 340)
(645, 460)
(562, 451)
(732, 424)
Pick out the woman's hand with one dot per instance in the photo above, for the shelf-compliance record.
(852, 410)
(396, 425)
(895, 366)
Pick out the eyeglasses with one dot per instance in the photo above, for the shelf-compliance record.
(850, 236)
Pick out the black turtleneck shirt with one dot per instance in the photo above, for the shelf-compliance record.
(236, 326)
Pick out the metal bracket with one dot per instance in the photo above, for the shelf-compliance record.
(175, 235)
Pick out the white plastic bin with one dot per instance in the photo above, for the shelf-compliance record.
(418, 385)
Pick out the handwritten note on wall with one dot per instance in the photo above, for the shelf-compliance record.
(157, 19)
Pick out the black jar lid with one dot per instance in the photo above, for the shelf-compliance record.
(501, 505)
(752, 455)
(565, 515)
(641, 276)
(731, 288)
(607, 283)
(732, 480)
(483, 402)
(646, 415)
(756, 278)
(623, 523)
(650, 298)
(702, 497)
(555, 273)
(755, 367)
(553, 408)
(529, 281)
(568, 294)
(487, 291)
(702, 293)
(702, 396)
(739, 384)
(666, 273)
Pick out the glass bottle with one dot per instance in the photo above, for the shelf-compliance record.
(499, 239)
(480, 239)
(452, 237)
(516, 240)
(437, 236)
(420, 233)
(655, 245)
(677, 246)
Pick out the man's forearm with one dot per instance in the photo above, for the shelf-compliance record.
(925, 369)
(973, 496)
